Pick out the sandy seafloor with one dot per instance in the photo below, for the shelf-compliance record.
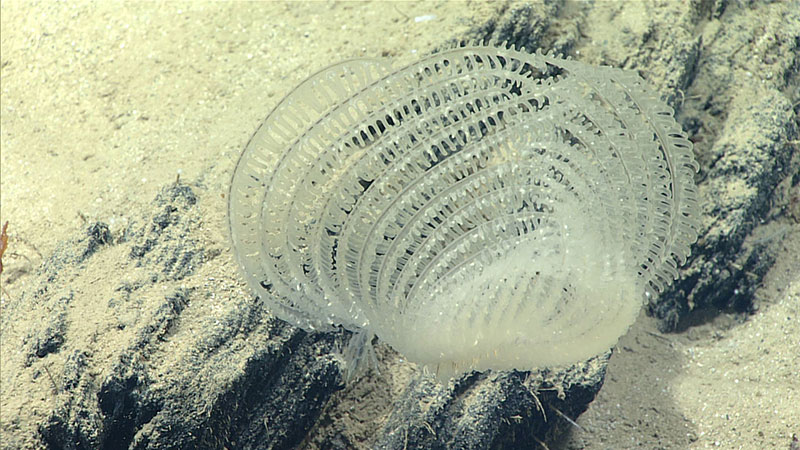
(103, 104)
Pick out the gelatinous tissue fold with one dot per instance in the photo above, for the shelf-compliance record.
(482, 208)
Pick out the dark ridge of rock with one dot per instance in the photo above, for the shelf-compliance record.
(271, 403)
(177, 258)
(250, 382)
(76, 251)
(522, 25)
(40, 342)
(501, 410)
(745, 131)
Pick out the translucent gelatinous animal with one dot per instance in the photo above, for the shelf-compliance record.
(481, 208)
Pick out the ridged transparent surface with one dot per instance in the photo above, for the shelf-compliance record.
(481, 208)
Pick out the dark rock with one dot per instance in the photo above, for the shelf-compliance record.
(40, 342)
(740, 170)
(267, 394)
(167, 241)
(489, 410)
